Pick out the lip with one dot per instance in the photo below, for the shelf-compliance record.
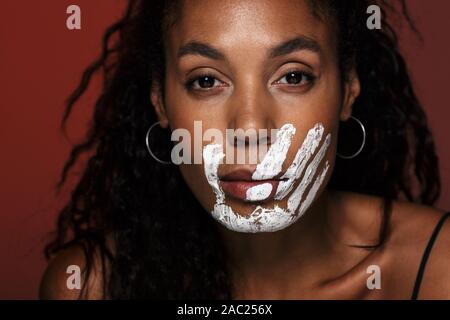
(236, 183)
(238, 175)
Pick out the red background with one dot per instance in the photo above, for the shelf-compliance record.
(41, 62)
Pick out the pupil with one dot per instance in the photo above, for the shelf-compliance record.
(206, 82)
(293, 78)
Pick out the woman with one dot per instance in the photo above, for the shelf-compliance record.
(311, 218)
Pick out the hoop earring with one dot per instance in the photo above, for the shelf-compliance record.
(362, 145)
(148, 145)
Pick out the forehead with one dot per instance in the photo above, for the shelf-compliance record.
(232, 24)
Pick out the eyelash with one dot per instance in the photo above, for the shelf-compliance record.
(310, 78)
(190, 82)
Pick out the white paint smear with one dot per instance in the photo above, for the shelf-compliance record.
(302, 157)
(271, 165)
(273, 219)
(259, 192)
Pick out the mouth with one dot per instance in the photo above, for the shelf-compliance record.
(236, 185)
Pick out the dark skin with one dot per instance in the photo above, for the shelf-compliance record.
(316, 257)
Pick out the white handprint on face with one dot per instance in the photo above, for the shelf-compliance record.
(264, 219)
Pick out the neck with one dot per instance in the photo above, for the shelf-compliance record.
(272, 255)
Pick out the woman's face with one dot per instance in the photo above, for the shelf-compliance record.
(255, 65)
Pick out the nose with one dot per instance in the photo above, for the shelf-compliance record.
(251, 109)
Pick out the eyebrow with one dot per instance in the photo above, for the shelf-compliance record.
(202, 49)
(295, 44)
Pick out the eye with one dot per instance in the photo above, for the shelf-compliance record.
(204, 82)
(296, 78)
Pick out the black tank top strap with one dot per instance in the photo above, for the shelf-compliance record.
(426, 254)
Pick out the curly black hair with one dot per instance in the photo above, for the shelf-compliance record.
(166, 249)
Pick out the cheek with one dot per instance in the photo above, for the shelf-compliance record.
(183, 108)
(194, 177)
(325, 113)
(322, 106)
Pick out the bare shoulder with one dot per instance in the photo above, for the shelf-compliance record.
(66, 275)
(412, 228)
(413, 222)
